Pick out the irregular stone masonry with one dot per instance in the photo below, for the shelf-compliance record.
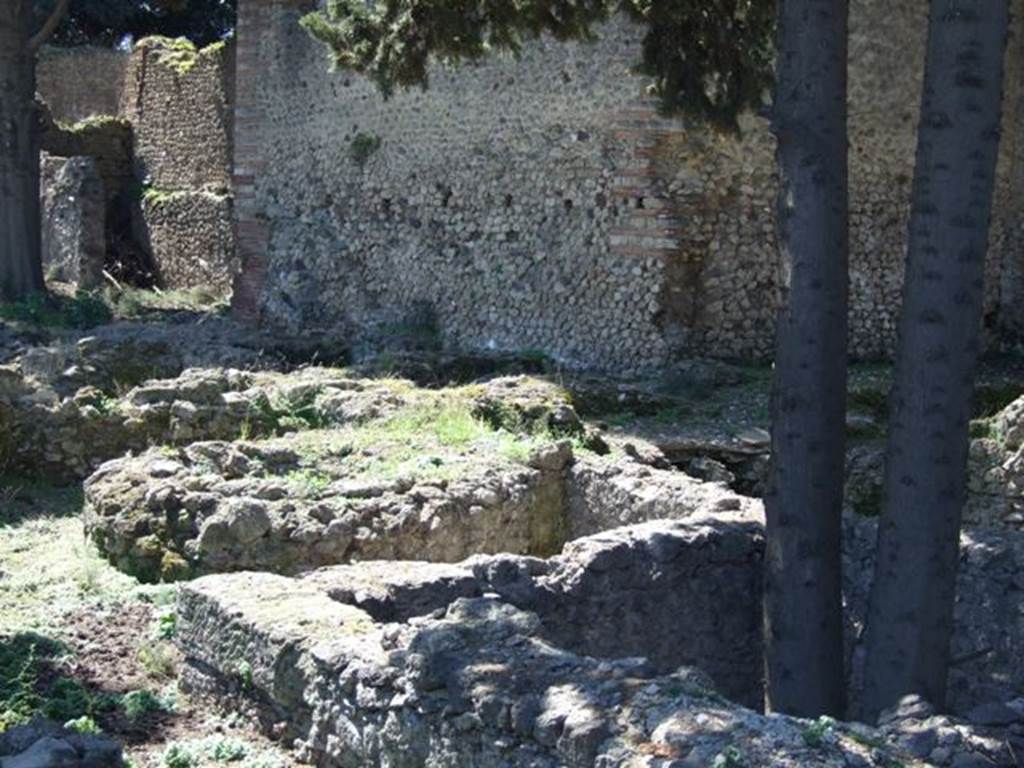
(176, 103)
(409, 665)
(192, 241)
(512, 661)
(70, 434)
(543, 204)
(353, 489)
(474, 662)
(219, 507)
(74, 226)
(216, 507)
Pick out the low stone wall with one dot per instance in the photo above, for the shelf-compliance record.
(215, 507)
(406, 664)
(609, 654)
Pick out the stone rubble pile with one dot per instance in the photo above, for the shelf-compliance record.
(71, 436)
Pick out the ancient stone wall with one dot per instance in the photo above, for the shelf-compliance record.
(543, 204)
(177, 102)
(74, 227)
(84, 82)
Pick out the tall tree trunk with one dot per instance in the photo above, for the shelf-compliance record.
(21, 271)
(911, 612)
(803, 585)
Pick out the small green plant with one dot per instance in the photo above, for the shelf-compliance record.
(157, 659)
(730, 757)
(179, 756)
(84, 724)
(226, 750)
(982, 429)
(94, 124)
(141, 702)
(244, 670)
(155, 197)
(868, 503)
(362, 147)
(866, 739)
(820, 732)
(308, 481)
(167, 625)
(88, 578)
(179, 54)
(67, 699)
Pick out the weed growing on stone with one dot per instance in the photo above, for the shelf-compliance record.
(982, 429)
(820, 732)
(166, 625)
(730, 757)
(308, 482)
(95, 123)
(865, 739)
(244, 669)
(84, 724)
(178, 53)
(293, 413)
(143, 701)
(362, 147)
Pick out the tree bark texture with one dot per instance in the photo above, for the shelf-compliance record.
(911, 612)
(803, 600)
(21, 271)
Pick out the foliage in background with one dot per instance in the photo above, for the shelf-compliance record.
(107, 22)
(710, 59)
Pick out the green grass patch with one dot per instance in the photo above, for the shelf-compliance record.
(437, 436)
(216, 751)
(50, 569)
(45, 310)
(134, 303)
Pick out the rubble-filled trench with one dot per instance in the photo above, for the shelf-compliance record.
(487, 573)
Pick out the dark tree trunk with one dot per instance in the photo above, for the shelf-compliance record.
(21, 271)
(803, 599)
(911, 612)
